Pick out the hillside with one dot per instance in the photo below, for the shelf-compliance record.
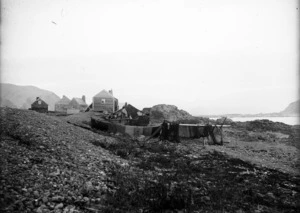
(7, 103)
(292, 109)
(23, 96)
(48, 165)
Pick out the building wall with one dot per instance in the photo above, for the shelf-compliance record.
(98, 105)
(39, 109)
(73, 104)
(39, 106)
(61, 107)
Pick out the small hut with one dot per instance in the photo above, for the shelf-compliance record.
(39, 105)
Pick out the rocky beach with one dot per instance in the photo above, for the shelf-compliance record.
(51, 164)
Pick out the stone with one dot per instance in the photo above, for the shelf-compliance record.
(29, 204)
(45, 199)
(86, 199)
(69, 209)
(141, 138)
(205, 198)
(51, 205)
(98, 200)
(57, 198)
(36, 202)
(271, 195)
(59, 206)
(259, 195)
(89, 186)
(41, 208)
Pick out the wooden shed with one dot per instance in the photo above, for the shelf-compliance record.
(78, 103)
(105, 101)
(62, 105)
(129, 115)
(39, 105)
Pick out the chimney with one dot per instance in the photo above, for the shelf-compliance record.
(37, 98)
(83, 98)
(111, 92)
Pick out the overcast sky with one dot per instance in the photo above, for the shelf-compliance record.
(206, 57)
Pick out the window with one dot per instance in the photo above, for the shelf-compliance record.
(102, 101)
(39, 102)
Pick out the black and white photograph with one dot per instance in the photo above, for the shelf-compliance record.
(170, 106)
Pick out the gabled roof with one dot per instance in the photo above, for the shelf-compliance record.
(130, 111)
(104, 94)
(64, 100)
(36, 102)
(79, 101)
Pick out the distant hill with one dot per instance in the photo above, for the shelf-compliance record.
(292, 109)
(23, 96)
(7, 103)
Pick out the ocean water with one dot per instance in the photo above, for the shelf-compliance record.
(286, 120)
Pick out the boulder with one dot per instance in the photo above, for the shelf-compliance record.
(161, 112)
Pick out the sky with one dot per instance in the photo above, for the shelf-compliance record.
(204, 56)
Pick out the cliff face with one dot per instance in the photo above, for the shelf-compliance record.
(23, 96)
(292, 109)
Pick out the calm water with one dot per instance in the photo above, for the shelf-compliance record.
(286, 120)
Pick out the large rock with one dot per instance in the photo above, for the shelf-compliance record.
(161, 112)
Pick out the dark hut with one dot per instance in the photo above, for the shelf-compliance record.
(39, 105)
(129, 115)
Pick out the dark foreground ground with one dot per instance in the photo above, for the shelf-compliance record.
(49, 165)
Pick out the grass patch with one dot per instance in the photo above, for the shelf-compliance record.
(169, 178)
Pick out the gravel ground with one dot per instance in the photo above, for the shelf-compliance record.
(50, 165)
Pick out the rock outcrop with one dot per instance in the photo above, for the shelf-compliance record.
(161, 112)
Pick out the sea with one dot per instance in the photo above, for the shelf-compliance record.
(286, 120)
